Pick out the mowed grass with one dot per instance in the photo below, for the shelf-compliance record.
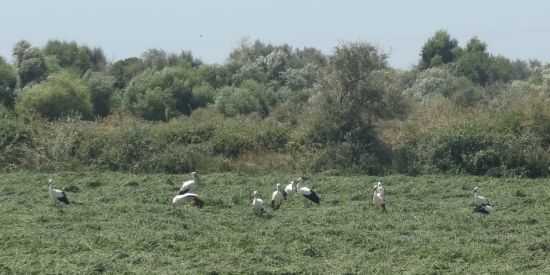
(124, 224)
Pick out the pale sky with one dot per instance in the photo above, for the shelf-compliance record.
(211, 29)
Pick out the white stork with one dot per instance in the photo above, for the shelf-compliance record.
(56, 194)
(482, 203)
(187, 185)
(306, 192)
(378, 196)
(180, 199)
(290, 190)
(479, 200)
(257, 204)
(277, 198)
(380, 188)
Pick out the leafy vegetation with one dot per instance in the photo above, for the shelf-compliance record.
(277, 108)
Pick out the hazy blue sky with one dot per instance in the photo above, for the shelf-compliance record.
(210, 29)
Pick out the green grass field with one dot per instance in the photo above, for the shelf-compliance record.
(124, 224)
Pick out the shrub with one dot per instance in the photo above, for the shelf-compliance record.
(13, 138)
(62, 94)
(249, 97)
(477, 150)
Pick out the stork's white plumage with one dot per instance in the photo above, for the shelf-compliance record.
(277, 198)
(479, 200)
(291, 189)
(180, 199)
(56, 194)
(378, 196)
(257, 204)
(306, 192)
(482, 204)
(187, 185)
(380, 188)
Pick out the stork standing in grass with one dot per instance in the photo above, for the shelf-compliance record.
(291, 189)
(380, 188)
(257, 204)
(187, 185)
(56, 194)
(378, 196)
(482, 204)
(479, 200)
(180, 199)
(307, 193)
(277, 198)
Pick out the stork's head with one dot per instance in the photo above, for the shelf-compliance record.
(255, 194)
(193, 174)
(476, 189)
(50, 181)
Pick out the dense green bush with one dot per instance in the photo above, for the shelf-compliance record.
(249, 97)
(13, 138)
(461, 110)
(476, 150)
(62, 94)
(101, 91)
(8, 80)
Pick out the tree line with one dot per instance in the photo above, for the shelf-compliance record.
(459, 110)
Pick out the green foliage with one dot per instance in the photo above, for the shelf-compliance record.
(440, 81)
(250, 97)
(275, 108)
(214, 75)
(350, 69)
(62, 94)
(184, 59)
(202, 96)
(474, 62)
(150, 104)
(160, 95)
(273, 65)
(8, 82)
(438, 50)
(71, 55)
(301, 78)
(476, 150)
(102, 90)
(124, 70)
(13, 137)
(155, 59)
(30, 63)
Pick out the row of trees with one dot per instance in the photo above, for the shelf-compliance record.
(343, 110)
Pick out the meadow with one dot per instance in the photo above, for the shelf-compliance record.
(121, 223)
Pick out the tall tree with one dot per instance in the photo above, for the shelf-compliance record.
(155, 59)
(124, 70)
(30, 63)
(439, 49)
(350, 67)
(71, 55)
(474, 62)
(8, 82)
